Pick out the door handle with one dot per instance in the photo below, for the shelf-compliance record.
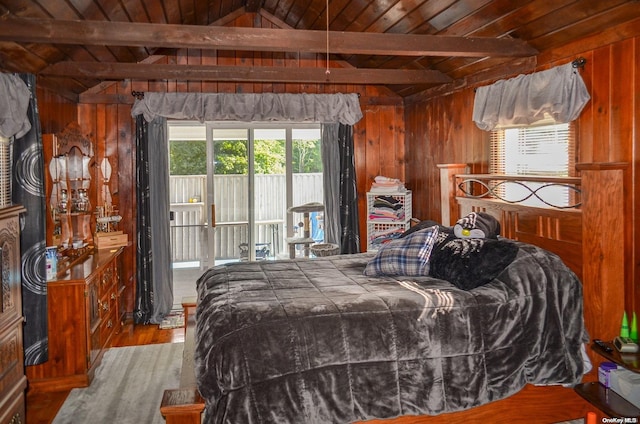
(213, 215)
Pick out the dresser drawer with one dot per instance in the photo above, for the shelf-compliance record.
(108, 304)
(107, 281)
(12, 379)
(13, 411)
(108, 328)
(11, 357)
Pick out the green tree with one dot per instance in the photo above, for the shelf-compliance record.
(269, 156)
(231, 157)
(188, 157)
(306, 156)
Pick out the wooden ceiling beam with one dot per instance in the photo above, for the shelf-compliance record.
(149, 35)
(151, 72)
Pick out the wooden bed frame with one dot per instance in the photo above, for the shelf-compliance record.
(587, 239)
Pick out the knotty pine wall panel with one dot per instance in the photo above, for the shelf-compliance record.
(379, 150)
(609, 132)
(440, 130)
(55, 111)
(111, 127)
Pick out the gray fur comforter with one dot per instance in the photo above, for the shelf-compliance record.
(316, 341)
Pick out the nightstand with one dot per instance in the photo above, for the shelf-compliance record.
(606, 399)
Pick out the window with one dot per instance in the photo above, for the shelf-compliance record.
(543, 149)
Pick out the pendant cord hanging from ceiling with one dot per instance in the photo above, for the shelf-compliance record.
(327, 72)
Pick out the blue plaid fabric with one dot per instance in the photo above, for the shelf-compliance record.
(406, 256)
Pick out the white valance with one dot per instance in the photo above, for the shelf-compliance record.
(559, 92)
(322, 108)
(14, 105)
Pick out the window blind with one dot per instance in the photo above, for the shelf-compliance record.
(545, 149)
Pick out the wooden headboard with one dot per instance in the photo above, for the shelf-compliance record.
(588, 238)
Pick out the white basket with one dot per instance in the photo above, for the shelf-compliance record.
(324, 249)
(378, 232)
(404, 198)
(6, 162)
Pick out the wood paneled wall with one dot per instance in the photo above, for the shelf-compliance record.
(105, 114)
(437, 130)
(113, 131)
(440, 130)
(55, 111)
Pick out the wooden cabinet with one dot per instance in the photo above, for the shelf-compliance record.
(85, 311)
(12, 378)
(69, 189)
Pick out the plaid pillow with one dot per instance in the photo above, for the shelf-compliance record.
(405, 256)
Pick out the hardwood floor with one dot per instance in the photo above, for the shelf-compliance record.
(43, 407)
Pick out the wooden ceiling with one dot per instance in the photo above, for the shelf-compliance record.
(407, 45)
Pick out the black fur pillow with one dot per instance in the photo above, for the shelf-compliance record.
(470, 263)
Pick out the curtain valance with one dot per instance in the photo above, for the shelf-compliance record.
(523, 100)
(14, 106)
(322, 108)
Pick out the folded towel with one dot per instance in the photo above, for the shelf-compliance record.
(382, 180)
(387, 201)
(390, 189)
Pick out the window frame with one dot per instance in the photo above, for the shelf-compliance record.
(498, 162)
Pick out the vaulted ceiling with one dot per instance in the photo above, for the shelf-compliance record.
(407, 45)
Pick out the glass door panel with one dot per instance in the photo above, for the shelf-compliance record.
(306, 182)
(232, 186)
(187, 194)
(230, 174)
(270, 201)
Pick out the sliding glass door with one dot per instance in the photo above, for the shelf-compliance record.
(257, 172)
(241, 180)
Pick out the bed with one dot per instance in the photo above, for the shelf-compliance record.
(319, 341)
(302, 341)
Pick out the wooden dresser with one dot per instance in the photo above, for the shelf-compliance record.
(84, 314)
(12, 378)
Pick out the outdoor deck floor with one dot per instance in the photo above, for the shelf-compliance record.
(184, 284)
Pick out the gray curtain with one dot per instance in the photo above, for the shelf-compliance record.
(15, 98)
(349, 219)
(154, 290)
(28, 190)
(343, 108)
(339, 183)
(559, 92)
(331, 183)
